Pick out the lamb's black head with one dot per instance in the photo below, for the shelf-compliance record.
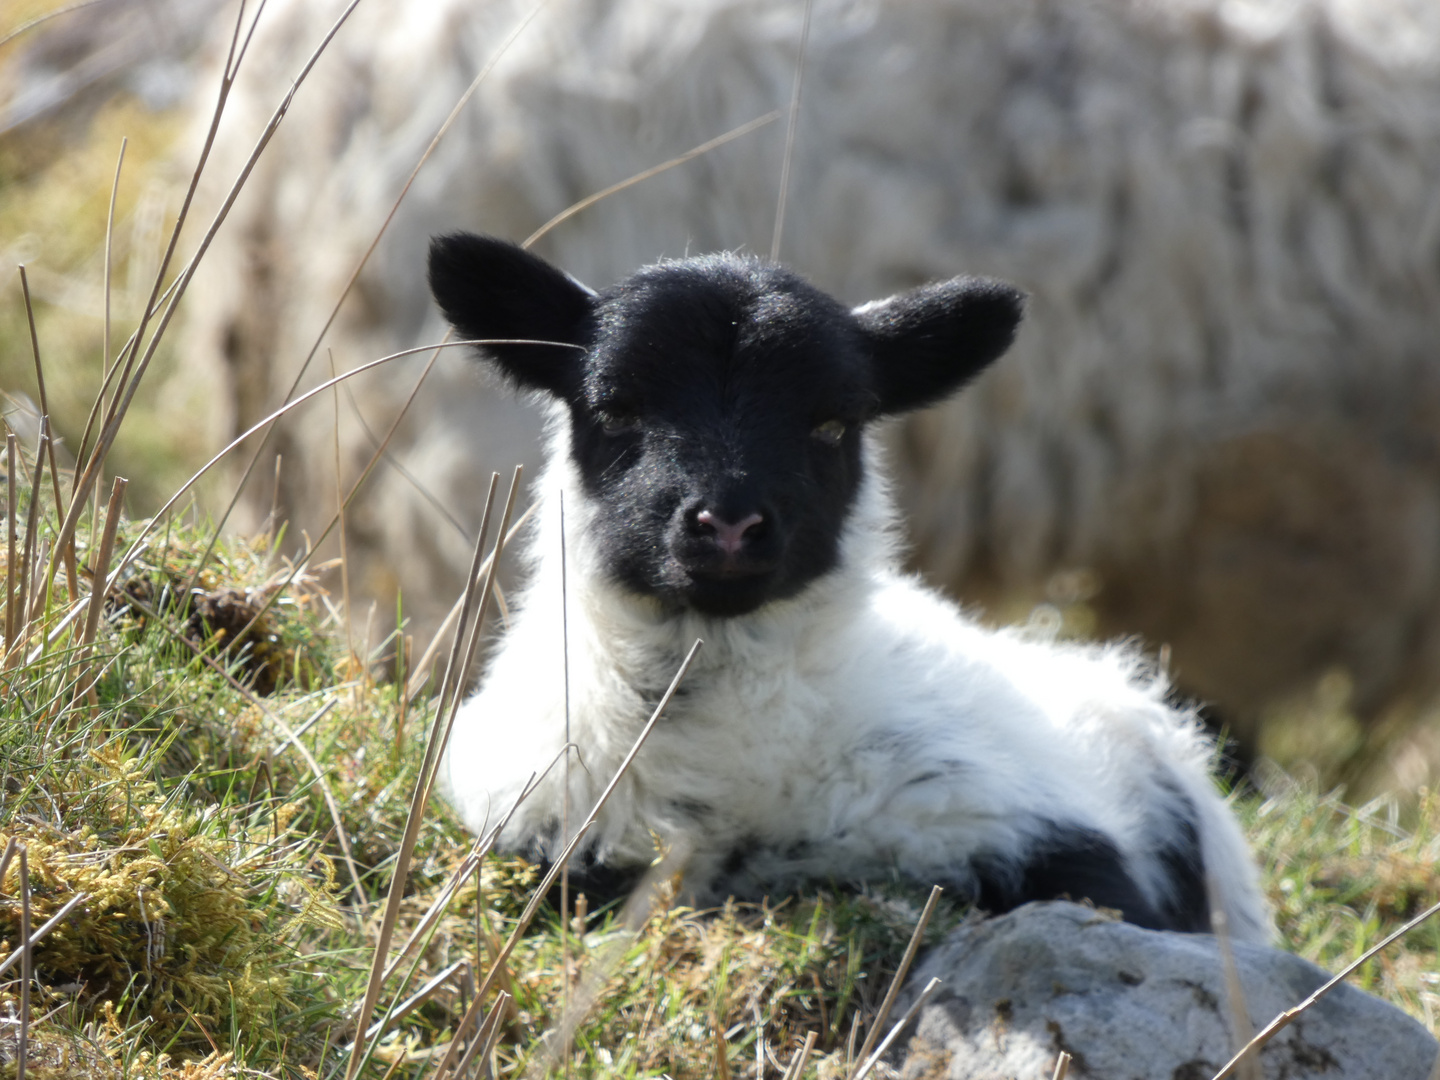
(716, 403)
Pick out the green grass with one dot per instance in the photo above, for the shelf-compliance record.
(223, 932)
(219, 911)
(1341, 878)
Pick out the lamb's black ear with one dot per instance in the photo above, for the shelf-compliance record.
(491, 289)
(930, 341)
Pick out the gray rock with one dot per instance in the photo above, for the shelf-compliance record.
(1131, 1003)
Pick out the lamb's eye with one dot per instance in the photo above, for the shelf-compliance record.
(618, 423)
(830, 432)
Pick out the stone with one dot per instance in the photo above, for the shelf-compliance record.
(1134, 1004)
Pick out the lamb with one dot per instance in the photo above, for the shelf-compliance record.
(713, 437)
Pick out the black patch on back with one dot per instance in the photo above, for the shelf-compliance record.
(1067, 862)
(1188, 907)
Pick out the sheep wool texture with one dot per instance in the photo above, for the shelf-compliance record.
(1221, 415)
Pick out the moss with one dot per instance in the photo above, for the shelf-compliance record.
(180, 920)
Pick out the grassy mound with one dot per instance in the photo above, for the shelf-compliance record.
(230, 852)
(197, 852)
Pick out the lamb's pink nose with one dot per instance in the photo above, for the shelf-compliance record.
(729, 537)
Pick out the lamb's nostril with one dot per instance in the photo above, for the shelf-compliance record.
(729, 536)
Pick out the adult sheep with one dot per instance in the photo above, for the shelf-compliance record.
(1221, 416)
(711, 438)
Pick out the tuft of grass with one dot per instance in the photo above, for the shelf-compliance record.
(1341, 878)
(748, 978)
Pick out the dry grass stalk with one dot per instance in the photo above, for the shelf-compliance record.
(31, 24)
(420, 672)
(49, 924)
(100, 587)
(272, 519)
(26, 964)
(339, 516)
(27, 556)
(314, 718)
(790, 129)
(614, 189)
(797, 1066)
(105, 366)
(5, 857)
(12, 488)
(904, 969)
(722, 1061)
(910, 1014)
(404, 646)
(472, 600)
(1241, 1030)
(485, 1039)
(1270, 1030)
(34, 341)
(68, 551)
(429, 763)
(472, 644)
(1062, 1066)
(567, 1025)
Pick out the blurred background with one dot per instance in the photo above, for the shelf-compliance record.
(1218, 432)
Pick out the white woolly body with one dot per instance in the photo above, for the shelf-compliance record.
(862, 729)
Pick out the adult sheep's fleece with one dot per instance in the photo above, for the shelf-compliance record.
(1224, 408)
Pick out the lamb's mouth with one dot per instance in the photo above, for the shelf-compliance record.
(730, 591)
